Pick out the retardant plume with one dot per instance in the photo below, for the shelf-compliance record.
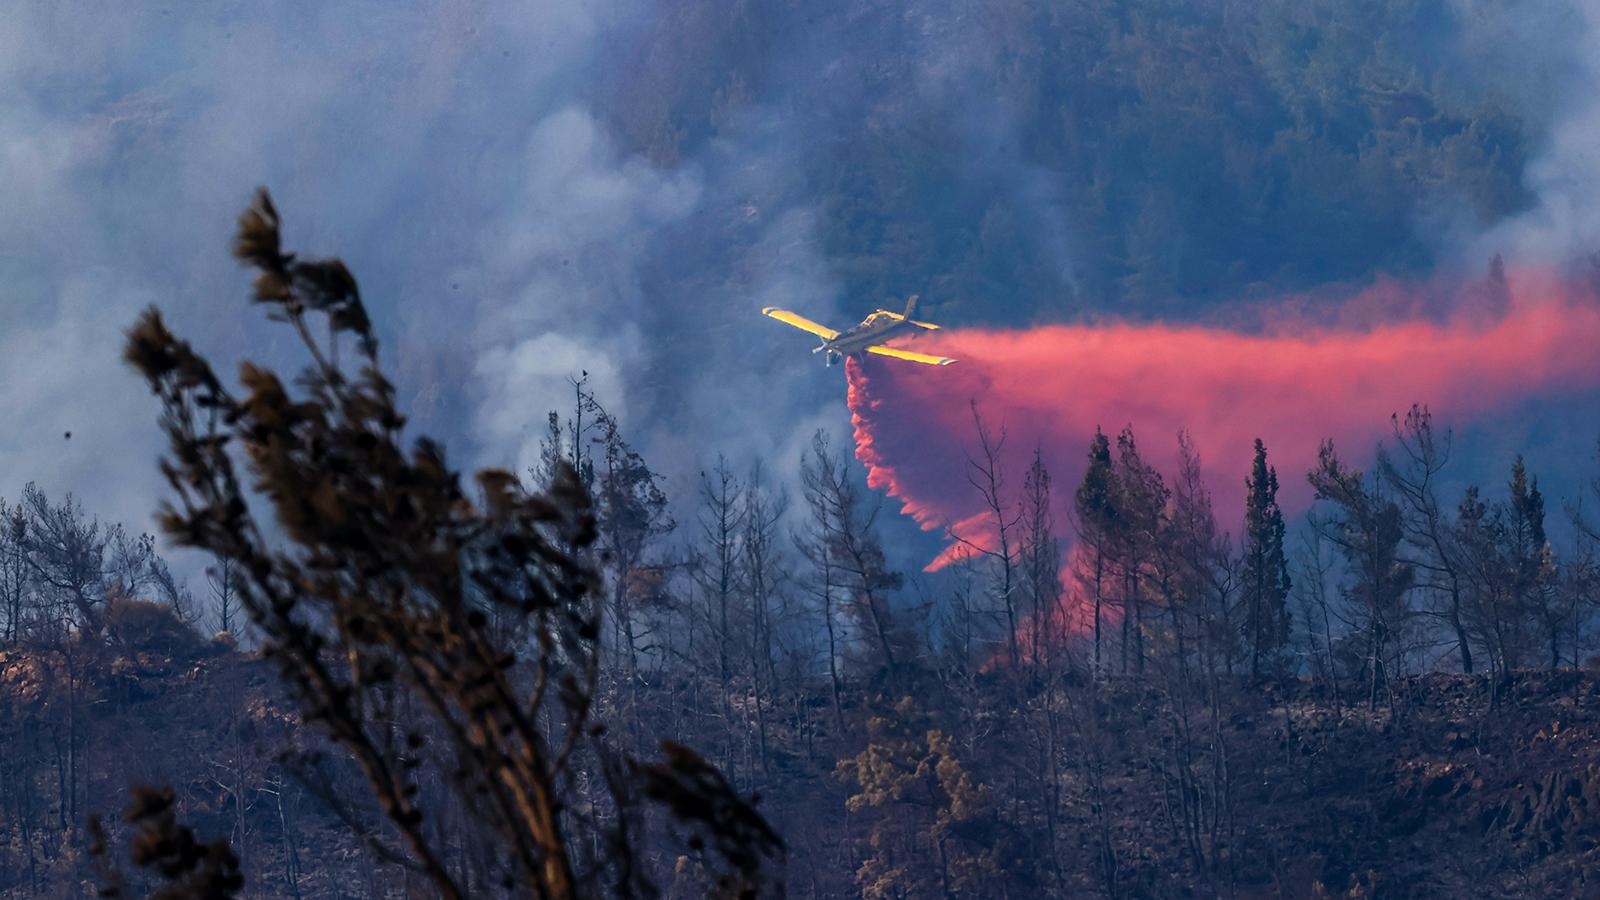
(1293, 382)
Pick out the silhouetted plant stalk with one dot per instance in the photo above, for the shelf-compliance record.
(388, 585)
(189, 868)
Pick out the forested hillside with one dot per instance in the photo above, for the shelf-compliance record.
(665, 639)
(948, 782)
(1014, 161)
(1179, 711)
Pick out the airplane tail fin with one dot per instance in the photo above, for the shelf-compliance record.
(911, 310)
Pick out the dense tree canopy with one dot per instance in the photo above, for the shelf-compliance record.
(1027, 159)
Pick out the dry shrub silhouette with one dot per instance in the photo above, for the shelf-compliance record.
(191, 870)
(387, 599)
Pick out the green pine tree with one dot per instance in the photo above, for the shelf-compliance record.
(1098, 521)
(1266, 568)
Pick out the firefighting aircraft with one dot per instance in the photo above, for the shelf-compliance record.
(868, 337)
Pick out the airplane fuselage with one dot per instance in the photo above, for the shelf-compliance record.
(874, 329)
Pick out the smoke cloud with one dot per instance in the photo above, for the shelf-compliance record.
(1535, 52)
(125, 162)
(573, 239)
(606, 186)
(1292, 383)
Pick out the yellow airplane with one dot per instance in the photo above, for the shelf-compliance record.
(868, 337)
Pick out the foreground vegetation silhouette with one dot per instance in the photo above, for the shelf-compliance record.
(434, 637)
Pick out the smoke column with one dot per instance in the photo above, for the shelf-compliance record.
(1292, 383)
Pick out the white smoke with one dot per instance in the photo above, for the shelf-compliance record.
(1546, 56)
(565, 270)
(131, 136)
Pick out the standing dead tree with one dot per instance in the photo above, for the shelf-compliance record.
(1367, 528)
(379, 604)
(1413, 470)
(987, 476)
(843, 533)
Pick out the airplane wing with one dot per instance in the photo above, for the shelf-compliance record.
(907, 355)
(928, 325)
(801, 322)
